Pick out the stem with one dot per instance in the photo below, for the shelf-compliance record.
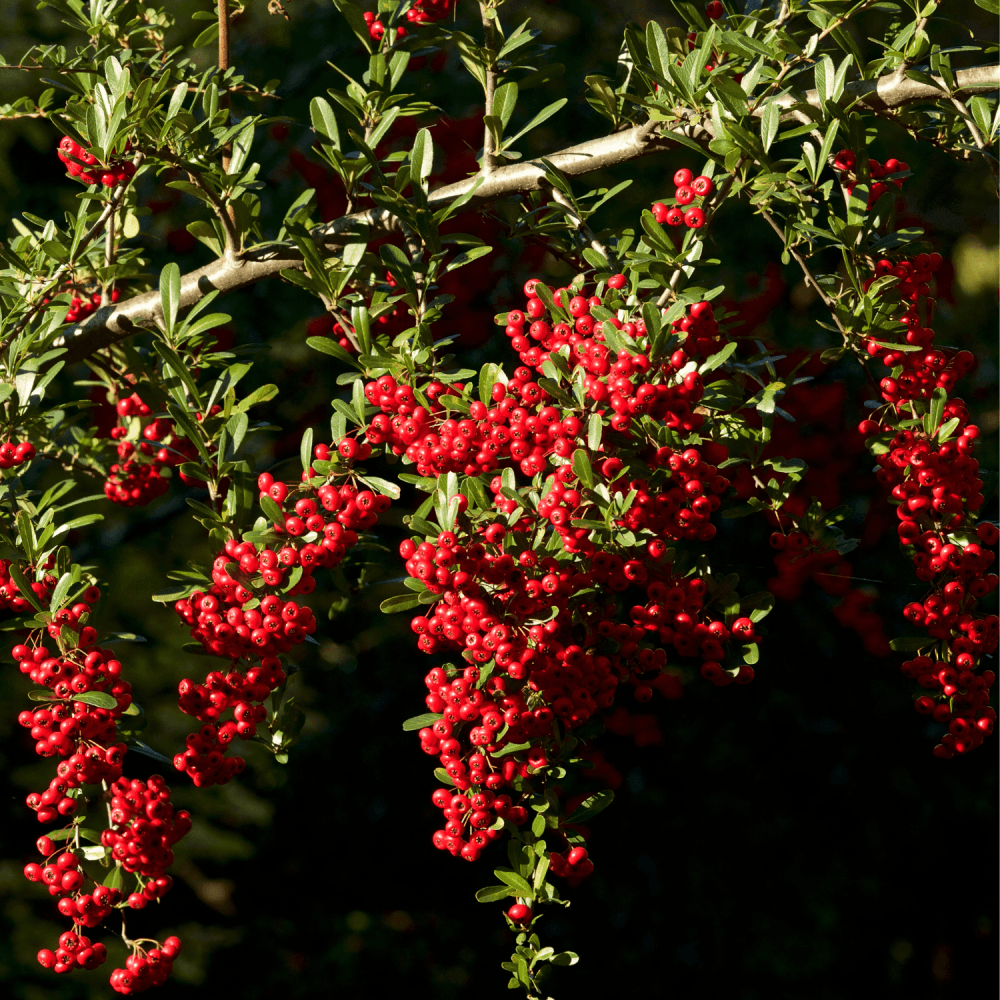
(224, 64)
(490, 33)
(977, 136)
(584, 230)
(232, 237)
(809, 276)
(109, 257)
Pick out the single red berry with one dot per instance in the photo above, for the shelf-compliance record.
(694, 218)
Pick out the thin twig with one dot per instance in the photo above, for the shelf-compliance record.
(810, 278)
(490, 86)
(232, 236)
(584, 230)
(977, 136)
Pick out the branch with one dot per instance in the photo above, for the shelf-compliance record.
(110, 325)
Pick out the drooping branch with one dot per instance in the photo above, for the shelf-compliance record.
(112, 324)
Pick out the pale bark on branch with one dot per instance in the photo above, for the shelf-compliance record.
(129, 317)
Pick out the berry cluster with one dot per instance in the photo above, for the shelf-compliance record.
(13, 455)
(82, 700)
(421, 12)
(81, 163)
(881, 175)
(934, 480)
(145, 447)
(249, 612)
(551, 615)
(74, 950)
(688, 189)
(146, 967)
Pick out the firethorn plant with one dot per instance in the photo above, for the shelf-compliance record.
(563, 557)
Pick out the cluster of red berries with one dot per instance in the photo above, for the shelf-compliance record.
(422, 12)
(145, 447)
(13, 455)
(60, 873)
(73, 725)
(75, 951)
(688, 189)
(81, 163)
(146, 967)
(83, 305)
(892, 170)
(249, 612)
(11, 598)
(145, 829)
(543, 635)
(934, 481)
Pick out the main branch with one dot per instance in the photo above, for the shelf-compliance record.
(112, 324)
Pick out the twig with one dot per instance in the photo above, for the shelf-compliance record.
(977, 136)
(585, 231)
(810, 278)
(232, 236)
(490, 86)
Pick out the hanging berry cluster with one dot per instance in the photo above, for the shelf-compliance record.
(923, 443)
(249, 613)
(145, 447)
(550, 569)
(81, 701)
(683, 212)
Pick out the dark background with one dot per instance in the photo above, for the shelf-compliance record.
(791, 838)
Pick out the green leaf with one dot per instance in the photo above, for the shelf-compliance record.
(400, 602)
(516, 882)
(595, 427)
(504, 101)
(590, 807)
(422, 158)
(99, 699)
(543, 115)
(272, 510)
(306, 448)
(909, 644)
(492, 893)
(324, 121)
(582, 467)
(421, 721)
(327, 346)
(488, 376)
(383, 486)
(170, 293)
(114, 880)
(769, 123)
